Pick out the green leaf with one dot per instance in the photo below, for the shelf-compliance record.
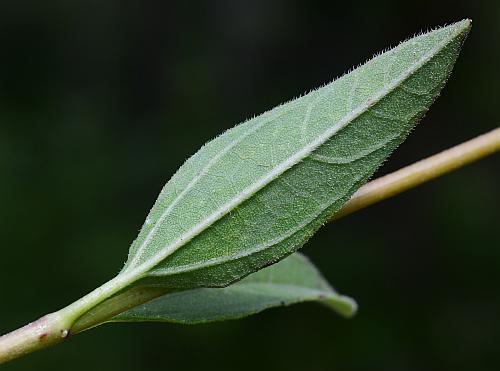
(292, 280)
(258, 192)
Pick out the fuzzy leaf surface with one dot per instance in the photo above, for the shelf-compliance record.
(290, 281)
(259, 191)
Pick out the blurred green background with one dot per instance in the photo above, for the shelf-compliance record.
(101, 101)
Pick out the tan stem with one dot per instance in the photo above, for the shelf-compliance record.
(421, 172)
(48, 330)
(53, 328)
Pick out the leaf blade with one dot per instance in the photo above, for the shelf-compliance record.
(259, 192)
(293, 280)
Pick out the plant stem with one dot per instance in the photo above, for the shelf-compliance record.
(48, 330)
(83, 314)
(421, 172)
(87, 311)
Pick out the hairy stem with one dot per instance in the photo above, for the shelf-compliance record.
(109, 300)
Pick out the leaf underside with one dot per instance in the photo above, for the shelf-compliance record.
(292, 280)
(258, 192)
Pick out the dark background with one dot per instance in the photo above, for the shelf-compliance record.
(101, 101)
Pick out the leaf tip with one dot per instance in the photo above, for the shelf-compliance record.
(467, 23)
(346, 306)
(463, 26)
